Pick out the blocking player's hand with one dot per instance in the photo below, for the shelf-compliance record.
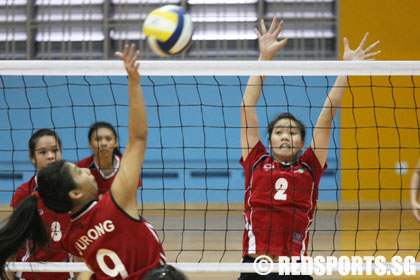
(359, 53)
(267, 39)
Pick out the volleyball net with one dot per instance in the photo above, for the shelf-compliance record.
(193, 185)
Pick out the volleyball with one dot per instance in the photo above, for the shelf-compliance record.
(168, 30)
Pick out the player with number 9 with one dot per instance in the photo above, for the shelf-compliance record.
(109, 235)
(281, 187)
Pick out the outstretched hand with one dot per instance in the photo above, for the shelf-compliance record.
(268, 39)
(129, 57)
(360, 53)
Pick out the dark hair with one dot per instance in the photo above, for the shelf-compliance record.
(94, 127)
(54, 184)
(289, 116)
(25, 222)
(165, 272)
(38, 134)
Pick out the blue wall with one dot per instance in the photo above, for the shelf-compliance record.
(193, 149)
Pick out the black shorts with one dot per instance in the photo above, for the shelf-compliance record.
(271, 276)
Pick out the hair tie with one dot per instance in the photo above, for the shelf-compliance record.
(36, 194)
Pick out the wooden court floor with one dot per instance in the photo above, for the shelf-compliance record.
(215, 234)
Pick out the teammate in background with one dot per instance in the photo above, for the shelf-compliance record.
(44, 148)
(415, 186)
(109, 235)
(106, 158)
(281, 189)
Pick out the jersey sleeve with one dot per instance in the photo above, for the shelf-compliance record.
(312, 161)
(256, 153)
(84, 163)
(20, 194)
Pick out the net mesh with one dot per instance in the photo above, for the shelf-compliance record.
(193, 185)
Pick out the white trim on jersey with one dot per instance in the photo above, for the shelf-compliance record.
(162, 260)
(252, 246)
(252, 242)
(152, 230)
(84, 212)
(113, 173)
(24, 259)
(303, 251)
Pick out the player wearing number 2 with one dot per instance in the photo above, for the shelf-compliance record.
(281, 188)
(111, 237)
(44, 148)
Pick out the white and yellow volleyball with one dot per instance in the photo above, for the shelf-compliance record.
(168, 30)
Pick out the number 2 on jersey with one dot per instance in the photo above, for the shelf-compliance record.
(281, 187)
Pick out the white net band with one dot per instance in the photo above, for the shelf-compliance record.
(186, 267)
(210, 68)
(381, 108)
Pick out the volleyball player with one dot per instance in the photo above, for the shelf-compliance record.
(44, 148)
(415, 186)
(106, 158)
(281, 188)
(111, 237)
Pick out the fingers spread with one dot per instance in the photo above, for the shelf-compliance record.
(283, 42)
(273, 24)
(369, 55)
(263, 28)
(368, 49)
(279, 28)
(257, 32)
(363, 42)
(125, 50)
(346, 43)
(131, 50)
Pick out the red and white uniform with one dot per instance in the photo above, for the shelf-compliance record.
(56, 225)
(113, 244)
(104, 182)
(279, 203)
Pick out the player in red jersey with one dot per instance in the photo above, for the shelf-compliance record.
(44, 148)
(111, 237)
(106, 158)
(281, 189)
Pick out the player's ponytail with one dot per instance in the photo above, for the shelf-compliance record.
(24, 223)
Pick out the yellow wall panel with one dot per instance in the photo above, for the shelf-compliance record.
(375, 135)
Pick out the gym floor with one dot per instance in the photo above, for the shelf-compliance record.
(390, 231)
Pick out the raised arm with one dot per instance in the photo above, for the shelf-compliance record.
(249, 122)
(125, 185)
(415, 186)
(322, 132)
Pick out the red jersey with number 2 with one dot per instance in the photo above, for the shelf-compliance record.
(280, 201)
(113, 244)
